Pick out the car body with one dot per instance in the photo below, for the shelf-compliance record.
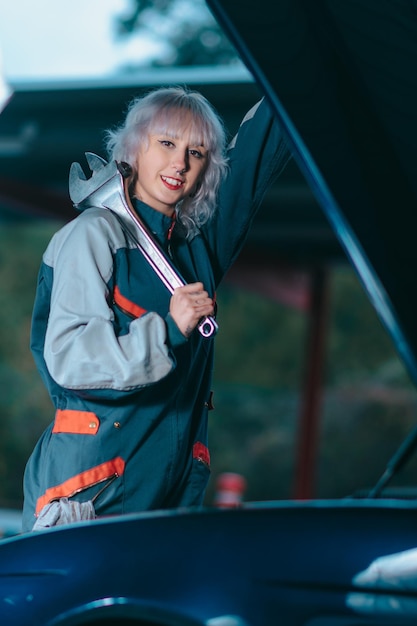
(262, 564)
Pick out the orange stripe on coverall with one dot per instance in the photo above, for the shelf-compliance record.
(127, 305)
(86, 479)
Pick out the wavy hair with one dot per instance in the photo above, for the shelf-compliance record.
(164, 111)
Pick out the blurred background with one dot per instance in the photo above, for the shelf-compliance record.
(311, 399)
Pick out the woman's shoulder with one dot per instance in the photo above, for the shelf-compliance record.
(92, 228)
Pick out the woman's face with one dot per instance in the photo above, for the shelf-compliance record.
(169, 169)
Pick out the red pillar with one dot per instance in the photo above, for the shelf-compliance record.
(308, 431)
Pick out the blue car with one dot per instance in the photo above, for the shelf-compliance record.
(288, 563)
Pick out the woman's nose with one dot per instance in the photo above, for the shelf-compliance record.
(181, 165)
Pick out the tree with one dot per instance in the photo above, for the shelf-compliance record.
(186, 32)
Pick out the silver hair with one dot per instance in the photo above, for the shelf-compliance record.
(164, 111)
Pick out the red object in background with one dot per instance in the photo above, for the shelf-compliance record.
(230, 488)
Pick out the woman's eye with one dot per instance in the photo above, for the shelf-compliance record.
(197, 154)
(166, 142)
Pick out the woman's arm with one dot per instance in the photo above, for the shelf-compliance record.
(257, 155)
(81, 348)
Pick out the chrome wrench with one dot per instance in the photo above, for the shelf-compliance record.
(106, 188)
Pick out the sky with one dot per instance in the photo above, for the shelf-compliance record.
(48, 39)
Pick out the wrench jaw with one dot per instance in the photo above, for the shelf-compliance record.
(76, 175)
(95, 162)
(104, 181)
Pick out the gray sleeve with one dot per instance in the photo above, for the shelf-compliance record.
(81, 349)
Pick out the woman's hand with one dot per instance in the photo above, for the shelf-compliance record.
(188, 305)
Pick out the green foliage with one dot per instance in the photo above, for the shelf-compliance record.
(363, 426)
(368, 401)
(25, 406)
(260, 343)
(252, 433)
(187, 32)
(357, 345)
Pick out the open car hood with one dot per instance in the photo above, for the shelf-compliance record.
(341, 77)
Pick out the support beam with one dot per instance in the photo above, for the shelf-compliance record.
(308, 430)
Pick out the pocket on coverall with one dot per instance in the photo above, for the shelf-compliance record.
(97, 478)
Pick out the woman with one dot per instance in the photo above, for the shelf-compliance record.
(128, 374)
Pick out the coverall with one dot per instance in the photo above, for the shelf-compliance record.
(131, 392)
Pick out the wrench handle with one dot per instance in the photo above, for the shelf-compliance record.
(207, 326)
